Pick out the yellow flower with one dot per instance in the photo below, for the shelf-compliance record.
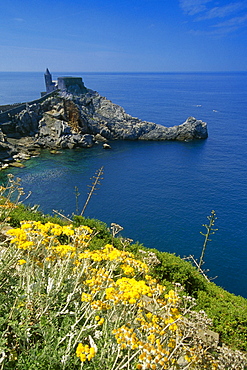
(101, 321)
(84, 352)
(172, 343)
(25, 245)
(21, 262)
(173, 327)
(67, 230)
(99, 305)
(132, 300)
(91, 353)
(128, 270)
(64, 250)
(187, 358)
(56, 231)
(26, 225)
(86, 297)
(151, 338)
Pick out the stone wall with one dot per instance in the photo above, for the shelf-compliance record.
(4, 108)
(17, 108)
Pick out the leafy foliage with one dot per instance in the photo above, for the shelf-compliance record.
(66, 304)
(45, 291)
(22, 212)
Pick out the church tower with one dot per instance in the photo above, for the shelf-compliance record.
(50, 86)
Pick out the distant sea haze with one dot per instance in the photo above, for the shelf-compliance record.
(159, 192)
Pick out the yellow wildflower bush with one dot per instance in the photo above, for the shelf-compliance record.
(98, 308)
(33, 235)
(84, 352)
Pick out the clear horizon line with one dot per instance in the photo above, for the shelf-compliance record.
(122, 72)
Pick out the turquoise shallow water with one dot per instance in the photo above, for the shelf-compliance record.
(160, 192)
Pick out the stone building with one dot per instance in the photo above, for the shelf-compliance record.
(73, 85)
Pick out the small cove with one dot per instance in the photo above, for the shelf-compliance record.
(162, 192)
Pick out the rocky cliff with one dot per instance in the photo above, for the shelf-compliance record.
(63, 120)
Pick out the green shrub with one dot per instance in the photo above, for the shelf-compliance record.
(174, 269)
(64, 306)
(22, 212)
(227, 311)
(101, 227)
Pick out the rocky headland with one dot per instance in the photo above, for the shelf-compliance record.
(69, 119)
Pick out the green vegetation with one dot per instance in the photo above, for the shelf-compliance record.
(227, 311)
(74, 295)
(22, 212)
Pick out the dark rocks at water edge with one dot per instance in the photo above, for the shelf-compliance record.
(63, 120)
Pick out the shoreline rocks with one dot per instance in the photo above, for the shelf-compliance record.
(66, 121)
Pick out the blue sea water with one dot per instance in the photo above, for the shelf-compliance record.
(160, 192)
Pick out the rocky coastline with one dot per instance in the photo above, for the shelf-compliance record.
(65, 120)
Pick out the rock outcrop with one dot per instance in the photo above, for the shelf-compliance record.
(63, 120)
(7, 150)
(100, 116)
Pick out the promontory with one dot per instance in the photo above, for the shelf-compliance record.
(69, 115)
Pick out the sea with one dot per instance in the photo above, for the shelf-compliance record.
(161, 193)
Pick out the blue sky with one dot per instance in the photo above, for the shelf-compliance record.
(123, 36)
